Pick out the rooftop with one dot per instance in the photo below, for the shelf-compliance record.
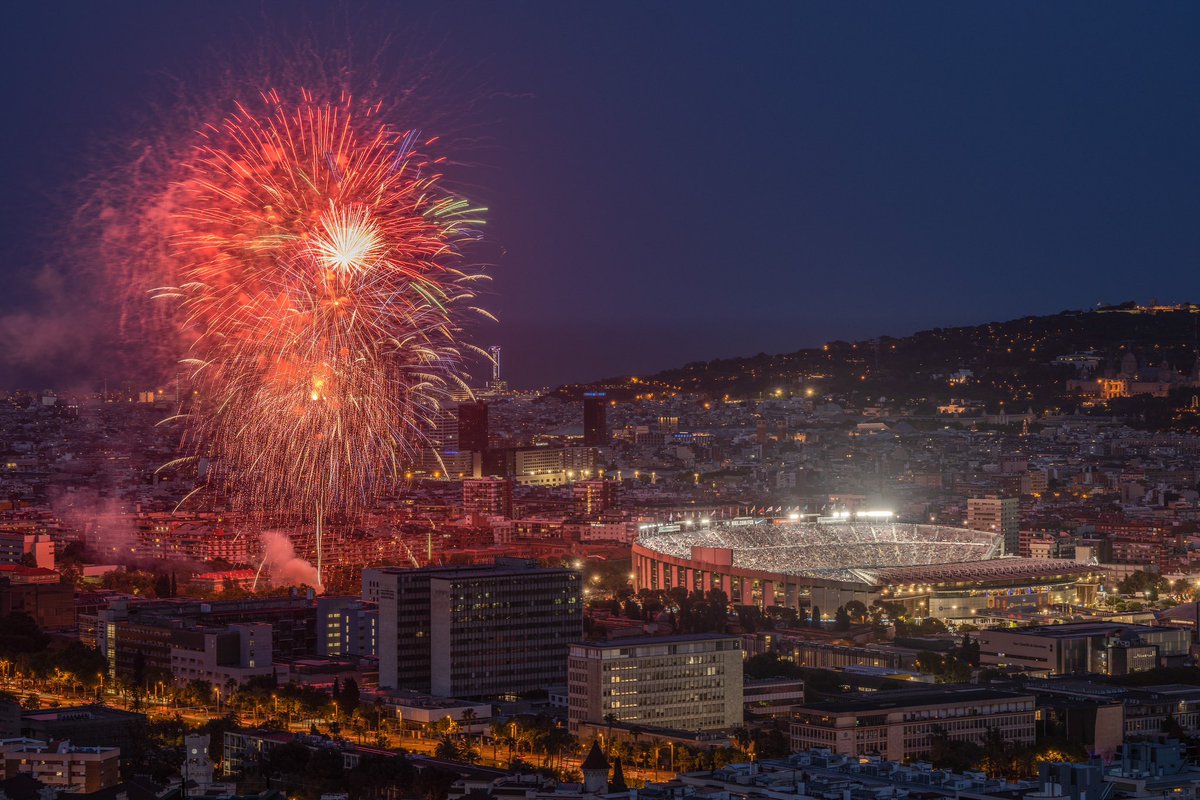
(1072, 629)
(907, 698)
(637, 641)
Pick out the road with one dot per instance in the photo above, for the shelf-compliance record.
(490, 756)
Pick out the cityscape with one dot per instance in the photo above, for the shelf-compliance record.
(324, 477)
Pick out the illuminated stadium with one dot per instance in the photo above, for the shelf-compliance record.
(932, 569)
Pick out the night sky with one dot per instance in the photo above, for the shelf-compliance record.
(672, 182)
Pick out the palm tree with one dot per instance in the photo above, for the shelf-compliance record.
(636, 732)
(468, 718)
(448, 749)
(610, 719)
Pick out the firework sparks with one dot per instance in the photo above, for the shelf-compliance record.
(323, 287)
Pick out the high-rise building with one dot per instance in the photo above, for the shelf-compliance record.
(487, 497)
(690, 682)
(473, 426)
(444, 457)
(1000, 515)
(997, 515)
(595, 419)
(475, 631)
(444, 436)
(596, 496)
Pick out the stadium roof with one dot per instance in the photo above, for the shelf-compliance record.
(860, 552)
(995, 569)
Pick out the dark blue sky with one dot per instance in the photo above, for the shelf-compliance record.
(679, 181)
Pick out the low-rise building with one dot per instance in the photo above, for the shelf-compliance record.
(772, 697)
(61, 764)
(901, 725)
(415, 711)
(221, 656)
(1085, 647)
(86, 726)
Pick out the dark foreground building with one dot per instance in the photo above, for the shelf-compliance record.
(475, 631)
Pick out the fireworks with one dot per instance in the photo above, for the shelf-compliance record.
(322, 287)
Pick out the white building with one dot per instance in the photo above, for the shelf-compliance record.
(691, 682)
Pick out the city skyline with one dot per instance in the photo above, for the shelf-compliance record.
(562, 401)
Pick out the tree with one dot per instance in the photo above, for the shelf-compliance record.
(20, 633)
(379, 776)
(468, 719)
(930, 662)
(216, 730)
(947, 753)
(351, 696)
(1142, 581)
(610, 719)
(449, 749)
(742, 739)
(857, 610)
(842, 619)
(770, 665)
(969, 651)
(617, 784)
(816, 616)
(997, 755)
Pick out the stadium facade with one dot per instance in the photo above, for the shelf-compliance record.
(933, 570)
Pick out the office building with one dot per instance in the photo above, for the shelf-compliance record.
(1084, 647)
(595, 419)
(473, 426)
(997, 515)
(541, 466)
(129, 631)
(222, 656)
(900, 725)
(475, 631)
(689, 682)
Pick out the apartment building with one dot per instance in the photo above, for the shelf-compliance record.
(61, 765)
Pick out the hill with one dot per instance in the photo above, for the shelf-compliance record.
(1020, 363)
